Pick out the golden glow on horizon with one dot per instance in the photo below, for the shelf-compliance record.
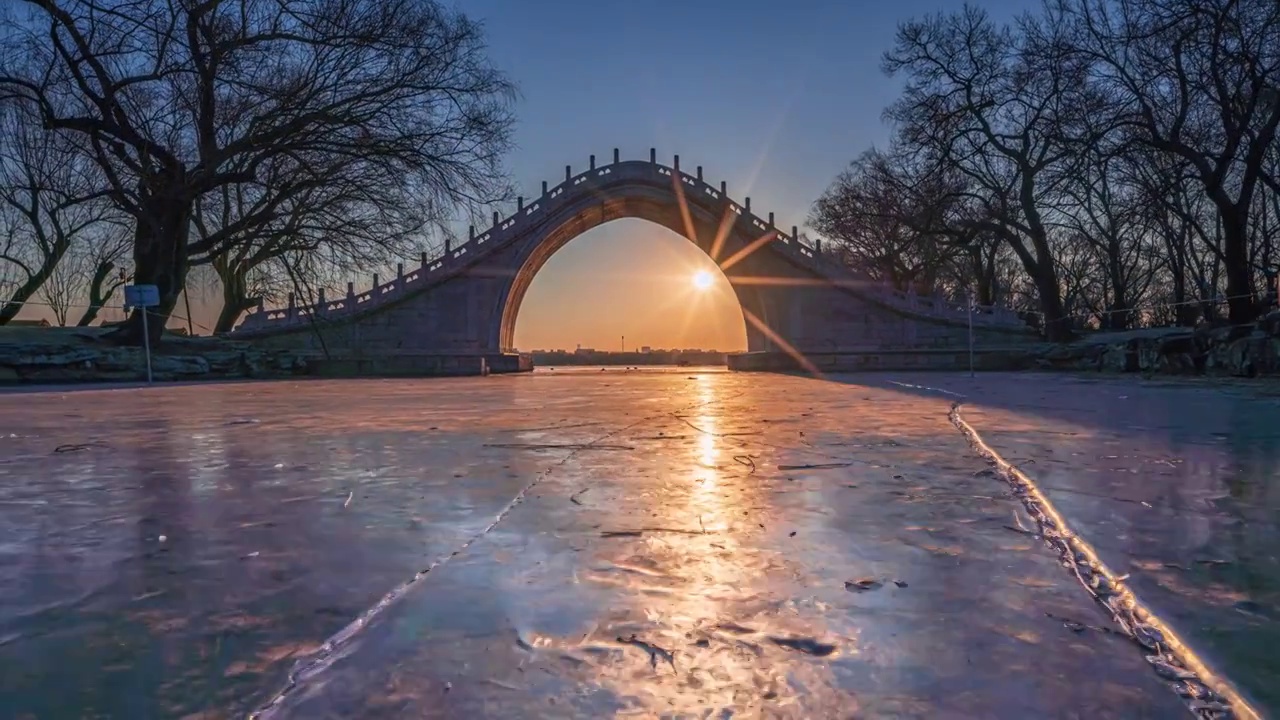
(715, 300)
(630, 278)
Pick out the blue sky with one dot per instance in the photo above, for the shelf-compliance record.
(774, 97)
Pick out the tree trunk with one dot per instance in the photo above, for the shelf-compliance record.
(1119, 313)
(1241, 307)
(1057, 326)
(160, 259)
(235, 292)
(97, 299)
(1183, 310)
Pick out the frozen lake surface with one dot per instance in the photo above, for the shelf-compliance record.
(586, 543)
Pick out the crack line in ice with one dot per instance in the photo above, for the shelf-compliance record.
(1208, 695)
(339, 645)
(926, 387)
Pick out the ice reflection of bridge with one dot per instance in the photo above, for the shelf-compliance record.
(463, 304)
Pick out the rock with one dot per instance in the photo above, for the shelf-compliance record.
(178, 365)
(20, 355)
(191, 358)
(1174, 351)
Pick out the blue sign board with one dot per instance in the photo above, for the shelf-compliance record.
(141, 295)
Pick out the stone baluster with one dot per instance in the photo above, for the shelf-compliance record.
(520, 203)
(699, 173)
(616, 156)
(593, 163)
(653, 156)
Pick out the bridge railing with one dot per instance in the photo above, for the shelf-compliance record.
(502, 230)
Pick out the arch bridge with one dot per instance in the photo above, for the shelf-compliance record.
(796, 300)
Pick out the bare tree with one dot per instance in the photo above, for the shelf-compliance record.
(353, 214)
(886, 221)
(1196, 79)
(174, 102)
(61, 289)
(1006, 109)
(1103, 209)
(105, 258)
(49, 197)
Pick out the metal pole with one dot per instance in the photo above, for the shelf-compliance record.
(969, 296)
(146, 342)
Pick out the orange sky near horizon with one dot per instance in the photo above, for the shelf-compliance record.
(629, 278)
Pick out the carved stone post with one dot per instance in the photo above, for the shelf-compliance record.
(747, 206)
(676, 166)
(724, 188)
(770, 219)
(400, 272)
(320, 302)
(616, 156)
(262, 305)
(795, 235)
(351, 294)
(653, 155)
(495, 218)
(544, 188)
(520, 203)
(424, 259)
(375, 281)
(699, 172)
(593, 162)
(568, 173)
(448, 243)
(291, 307)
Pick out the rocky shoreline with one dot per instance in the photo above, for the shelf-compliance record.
(75, 355)
(1205, 351)
(56, 355)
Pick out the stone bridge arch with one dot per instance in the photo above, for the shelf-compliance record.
(658, 206)
(465, 301)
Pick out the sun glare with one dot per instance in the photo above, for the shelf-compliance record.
(703, 280)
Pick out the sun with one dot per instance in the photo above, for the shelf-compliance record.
(702, 280)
